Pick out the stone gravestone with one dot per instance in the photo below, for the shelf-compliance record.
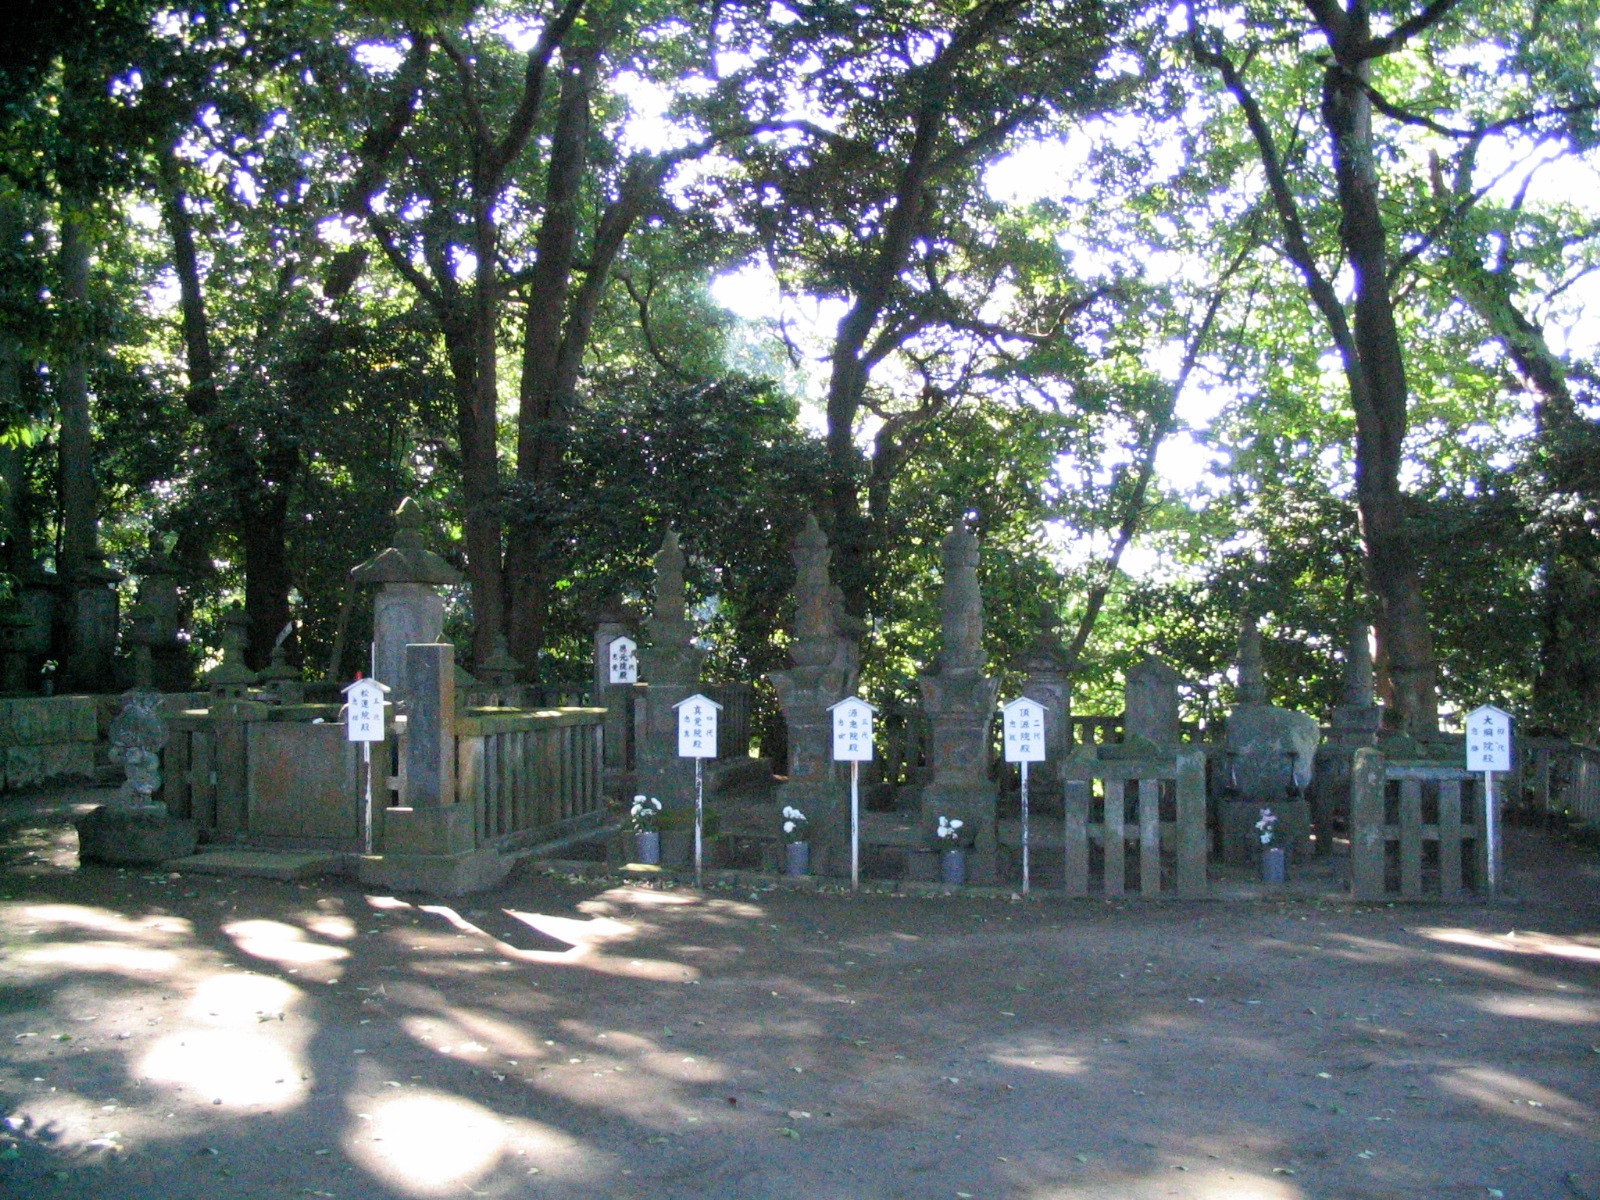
(670, 665)
(1151, 721)
(91, 627)
(135, 828)
(160, 617)
(825, 670)
(1266, 750)
(959, 700)
(1047, 680)
(409, 608)
(40, 602)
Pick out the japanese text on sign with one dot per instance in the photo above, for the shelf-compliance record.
(1488, 739)
(623, 658)
(697, 727)
(852, 730)
(1024, 730)
(364, 711)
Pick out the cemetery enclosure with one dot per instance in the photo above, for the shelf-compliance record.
(279, 780)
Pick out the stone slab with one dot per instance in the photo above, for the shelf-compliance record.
(258, 864)
(24, 766)
(434, 874)
(118, 836)
(68, 760)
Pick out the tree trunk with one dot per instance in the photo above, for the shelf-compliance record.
(17, 529)
(259, 483)
(1375, 369)
(80, 541)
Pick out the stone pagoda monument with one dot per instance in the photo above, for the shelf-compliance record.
(826, 669)
(959, 701)
(409, 607)
(1269, 754)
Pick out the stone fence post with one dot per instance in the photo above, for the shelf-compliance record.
(430, 842)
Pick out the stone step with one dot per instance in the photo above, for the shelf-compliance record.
(260, 864)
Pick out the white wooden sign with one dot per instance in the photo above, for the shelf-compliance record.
(1488, 739)
(364, 710)
(852, 730)
(623, 657)
(697, 726)
(1024, 730)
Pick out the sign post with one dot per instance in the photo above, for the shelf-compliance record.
(697, 739)
(364, 723)
(1024, 735)
(852, 743)
(1489, 750)
(622, 661)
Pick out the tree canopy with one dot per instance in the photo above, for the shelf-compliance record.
(1193, 313)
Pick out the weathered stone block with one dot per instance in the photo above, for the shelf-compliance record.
(134, 836)
(67, 760)
(24, 766)
(25, 722)
(434, 874)
(81, 719)
(428, 831)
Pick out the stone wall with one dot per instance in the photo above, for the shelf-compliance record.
(47, 739)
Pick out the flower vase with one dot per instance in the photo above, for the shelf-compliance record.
(1273, 862)
(647, 847)
(796, 859)
(953, 866)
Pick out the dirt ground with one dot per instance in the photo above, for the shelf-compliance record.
(189, 1036)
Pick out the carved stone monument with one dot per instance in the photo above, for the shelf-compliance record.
(1151, 723)
(1269, 755)
(826, 669)
(135, 828)
(160, 619)
(959, 700)
(670, 665)
(409, 609)
(1047, 679)
(91, 627)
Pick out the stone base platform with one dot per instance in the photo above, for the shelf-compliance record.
(142, 835)
(260, 864)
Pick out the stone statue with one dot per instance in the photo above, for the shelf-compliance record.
(138, 734)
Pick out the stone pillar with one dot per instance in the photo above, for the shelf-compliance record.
(91, 628)
(40, 601)
(670, 665)
(826, 669)
(1356, 724)
(611, 624)
(15, 630)
(408, 608)
(429, 844)
(232, 711)
(959, 700)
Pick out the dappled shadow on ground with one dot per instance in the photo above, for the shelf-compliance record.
(184, 1036)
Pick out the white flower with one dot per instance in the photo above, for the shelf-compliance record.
(947, 829)
(788, 826)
